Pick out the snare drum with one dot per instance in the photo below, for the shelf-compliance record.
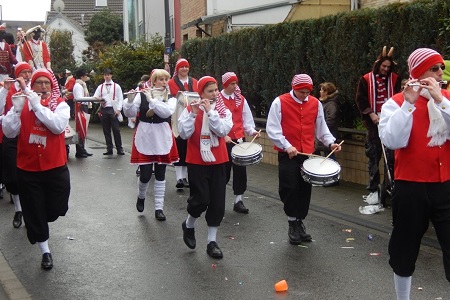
(246, 154)
(183, 100)
(317, 171)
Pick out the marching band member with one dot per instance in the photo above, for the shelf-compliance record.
(204, 125)
(35, 51)
(181, 81)
(80, 90)
(295, 118)
(7, 58)
(153, 142)
(22, 73)
(42, 173)
(242, 123)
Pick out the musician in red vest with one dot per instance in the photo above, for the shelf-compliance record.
(204, 124)
(42, 172)
(22, 72)
(242, 123)
(416, 124)
(181, 81)
(374, 89)
(294, 120)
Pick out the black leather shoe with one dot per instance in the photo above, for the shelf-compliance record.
(188, 236)
(159, 215)
(213, 250)
(294, 233)
(240, 208)
(87, 153)
(109, 152)
(180, 184)
(304, 237)
(17, 221)
(120, 152)
(185, 183)
(81, 155)
(47, 261)
(140, 204)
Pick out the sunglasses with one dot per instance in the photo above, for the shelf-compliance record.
(436, 68)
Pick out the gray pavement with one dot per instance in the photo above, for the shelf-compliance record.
(339, 202)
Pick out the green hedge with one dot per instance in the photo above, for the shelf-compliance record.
(339, 48)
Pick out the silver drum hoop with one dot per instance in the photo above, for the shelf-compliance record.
(317, 171)
(246, 154)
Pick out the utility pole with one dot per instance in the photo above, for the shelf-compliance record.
(167, 41)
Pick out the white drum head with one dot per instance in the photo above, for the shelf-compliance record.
(317, 166)
(246, 149)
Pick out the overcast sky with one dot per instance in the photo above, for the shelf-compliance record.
(24, 10)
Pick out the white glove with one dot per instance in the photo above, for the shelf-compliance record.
(34, 99)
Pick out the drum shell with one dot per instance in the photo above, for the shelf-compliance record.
(251, 157)
(183, 100)
(321, 178)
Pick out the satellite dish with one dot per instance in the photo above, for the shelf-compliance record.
(58, 6)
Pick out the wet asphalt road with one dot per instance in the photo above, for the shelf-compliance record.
(105, 249)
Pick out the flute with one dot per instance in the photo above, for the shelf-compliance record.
(441, 83)
(144, 90)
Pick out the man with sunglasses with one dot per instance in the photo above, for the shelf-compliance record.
(416, 123)
(374, 89)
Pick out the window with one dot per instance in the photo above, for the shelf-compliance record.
(101, 2)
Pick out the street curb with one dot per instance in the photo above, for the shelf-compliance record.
(12, 286)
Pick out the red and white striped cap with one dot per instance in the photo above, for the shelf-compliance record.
(228, 78)
(302, 81)
(421, 60)
(41, 73)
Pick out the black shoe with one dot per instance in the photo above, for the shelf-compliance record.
(87, 153)
(240, 207)
(159, 215)
(140, 204)
(213, 250)
(120, 152)
(109, 152)
(294, 233)
(185, 183)
(305, 237)
(188, 236)
(17, 221)
(47, 261)
(180, 184)
(81, 155)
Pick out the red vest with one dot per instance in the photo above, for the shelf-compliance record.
(36, 157)
(298, 122)
(193, 146)
(417, 162)
(237, 131)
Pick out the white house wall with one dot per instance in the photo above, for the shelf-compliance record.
(154, 17)
(77, 37)
(269, 16)
(215, 7)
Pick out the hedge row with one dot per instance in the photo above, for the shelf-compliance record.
(339, 48)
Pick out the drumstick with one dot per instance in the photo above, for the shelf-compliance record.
(308, 154)
(331, 152)
(253, 139)
(237, 144)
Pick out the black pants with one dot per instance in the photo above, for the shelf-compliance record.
(373, 152)
(294, 191)
(9, 171)
(239, 173)
(182, 150)
(414, 205)
(110, 122)
(44, 197)
(207, 192)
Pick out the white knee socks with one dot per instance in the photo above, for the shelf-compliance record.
(402, 287)
(184, 172)
(16, 201)
(142, 189)
(190, 221)
(159, 191)
(179, 172)
(238, 198)
(44, 247)
(212, 233)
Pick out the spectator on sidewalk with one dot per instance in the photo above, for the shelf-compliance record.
(153, 141)
(110, 110)
(205, 123)
(242, 123)
(295, 118)
(374, 89)
(416, 123)
(42, 173)
(181, 81)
